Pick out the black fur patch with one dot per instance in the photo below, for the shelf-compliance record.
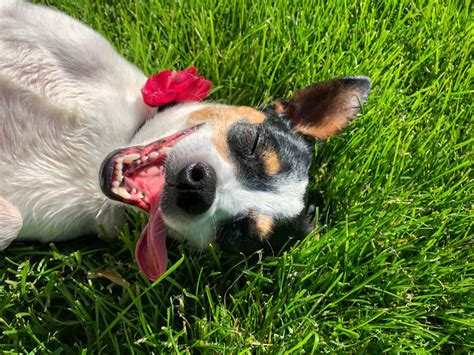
(240, 235)
(249, 142)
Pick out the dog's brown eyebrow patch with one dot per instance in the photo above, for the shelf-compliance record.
(271, 162)
(227, 115)
(263, 224)
(222, 118)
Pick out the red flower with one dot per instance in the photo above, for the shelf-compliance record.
(170, 86)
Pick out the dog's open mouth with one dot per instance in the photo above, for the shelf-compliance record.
(136, 176)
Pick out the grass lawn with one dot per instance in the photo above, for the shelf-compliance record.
(391, 269)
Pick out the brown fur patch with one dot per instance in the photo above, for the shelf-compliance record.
(271, 162)
(222, 118)
(263, 224)
(227, 115)
(220, 142)
(325, 130)
(280, 108)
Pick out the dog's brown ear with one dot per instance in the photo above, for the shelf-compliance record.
(322, 110)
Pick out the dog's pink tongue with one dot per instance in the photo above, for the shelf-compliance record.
(151, 253)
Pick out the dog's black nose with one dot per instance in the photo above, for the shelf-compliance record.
(196, 188)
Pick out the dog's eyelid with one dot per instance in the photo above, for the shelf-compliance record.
(255, 144)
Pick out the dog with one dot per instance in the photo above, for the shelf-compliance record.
(79, 147)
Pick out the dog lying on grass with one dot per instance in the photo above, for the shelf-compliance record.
(78, 144)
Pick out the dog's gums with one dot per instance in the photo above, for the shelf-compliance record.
(135, 175)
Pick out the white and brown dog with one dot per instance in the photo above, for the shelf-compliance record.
(77, 144)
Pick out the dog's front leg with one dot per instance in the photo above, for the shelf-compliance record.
(11, 222)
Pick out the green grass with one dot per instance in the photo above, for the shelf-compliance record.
(391, 270)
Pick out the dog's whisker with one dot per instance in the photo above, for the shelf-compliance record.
(214, 227)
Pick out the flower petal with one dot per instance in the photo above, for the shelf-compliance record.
(168, 86)
(191, 70)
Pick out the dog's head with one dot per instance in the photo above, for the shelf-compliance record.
(231, 174)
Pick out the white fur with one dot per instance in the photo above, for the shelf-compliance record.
(66, 100)
(10, 223)
(171, 120)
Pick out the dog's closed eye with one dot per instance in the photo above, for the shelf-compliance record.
(255, 144)
(245, 141)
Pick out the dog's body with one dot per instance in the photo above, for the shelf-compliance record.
(73, 125)
(67, 99)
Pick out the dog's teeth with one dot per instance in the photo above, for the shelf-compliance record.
(115, 183)
(144, 158)
(154, 155)
(119, 160)
(119, 166)
(118, 175)
(130, 158)
(115, 190)
(165, 150)
(140, 195)
(134, 191)
(122, 192)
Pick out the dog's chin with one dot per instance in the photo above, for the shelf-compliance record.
(136, 176)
